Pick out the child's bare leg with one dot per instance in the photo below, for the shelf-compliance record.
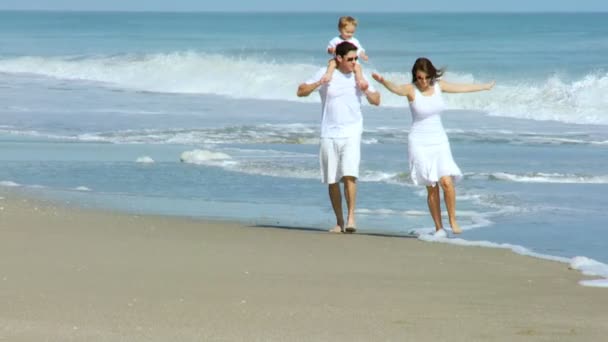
(331, 66)
(361, 83)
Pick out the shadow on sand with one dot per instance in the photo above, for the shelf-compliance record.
(410, 235)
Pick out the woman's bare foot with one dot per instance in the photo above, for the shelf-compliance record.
(455, 228)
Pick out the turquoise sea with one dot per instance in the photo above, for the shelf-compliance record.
(195, 114)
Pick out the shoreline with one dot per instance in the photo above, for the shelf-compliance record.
(595, 270)
(94, 275)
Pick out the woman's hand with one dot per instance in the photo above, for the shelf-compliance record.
(379, 78)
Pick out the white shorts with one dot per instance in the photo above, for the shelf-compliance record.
(339, 157)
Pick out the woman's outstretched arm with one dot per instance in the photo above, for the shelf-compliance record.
(464, 88)
(401, 90)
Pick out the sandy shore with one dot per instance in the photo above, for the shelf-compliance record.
(77, 275)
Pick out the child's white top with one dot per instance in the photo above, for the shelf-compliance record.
(337, 40)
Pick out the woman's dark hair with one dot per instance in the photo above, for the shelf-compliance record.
(424, 64)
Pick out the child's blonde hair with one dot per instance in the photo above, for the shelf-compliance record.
(346, 20)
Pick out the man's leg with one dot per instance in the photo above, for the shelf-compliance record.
(350, 192)
(328, 161)
(335, 196)
(351, 158)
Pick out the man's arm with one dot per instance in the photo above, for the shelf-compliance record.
(306, 89)
(373, 97)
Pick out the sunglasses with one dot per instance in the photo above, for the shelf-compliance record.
(352, 59)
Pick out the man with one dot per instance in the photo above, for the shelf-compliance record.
(341, 129)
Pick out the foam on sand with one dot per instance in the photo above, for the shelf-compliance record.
(583, 264)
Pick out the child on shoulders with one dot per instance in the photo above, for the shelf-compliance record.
(347, 26)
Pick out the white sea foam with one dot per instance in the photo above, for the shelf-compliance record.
(144, 160)
(302, 134)
(385, 177)
(585, 265)
(248, 134)
(205, 157)
(257, 162)
(82, 188)
(179, 72)
(572, 101)
(541, 177)
(364, 211)
(9, 184)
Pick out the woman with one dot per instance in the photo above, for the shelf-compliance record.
(430, 157)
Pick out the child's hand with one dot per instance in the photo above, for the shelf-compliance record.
(331, 50)
(364, 56)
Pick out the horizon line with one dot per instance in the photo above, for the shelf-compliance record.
(307, 11)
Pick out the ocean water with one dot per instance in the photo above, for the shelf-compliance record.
(195, 114)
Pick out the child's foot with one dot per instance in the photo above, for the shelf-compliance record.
(363, 85)
(325, 79)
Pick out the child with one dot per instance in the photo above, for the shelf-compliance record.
(347, 26)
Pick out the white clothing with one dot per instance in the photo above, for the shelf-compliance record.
(341, 105)
(339, 157)
(337, 40)
(429, 154)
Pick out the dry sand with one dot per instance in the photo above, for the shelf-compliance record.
(70, 274)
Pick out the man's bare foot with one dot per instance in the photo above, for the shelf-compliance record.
(363, 85)
(336, 229)
(455, 228)
(440, 233)
(351, 227)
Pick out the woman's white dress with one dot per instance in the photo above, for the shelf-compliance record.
(429, 153)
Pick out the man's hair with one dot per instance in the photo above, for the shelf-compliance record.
(345, 47)
(346, 20)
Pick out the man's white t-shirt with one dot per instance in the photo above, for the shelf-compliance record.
(337, 40)
(341, 105)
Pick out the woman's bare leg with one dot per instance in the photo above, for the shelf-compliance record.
(449, 196)
(434, 203)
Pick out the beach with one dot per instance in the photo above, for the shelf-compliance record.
(73, 274)
(162, 128)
